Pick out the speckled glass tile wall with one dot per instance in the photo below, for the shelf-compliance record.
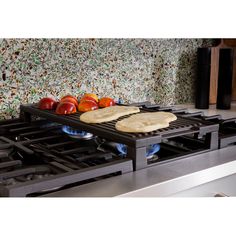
(159, 70)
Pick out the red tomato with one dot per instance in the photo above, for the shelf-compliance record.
(106, 102)
(70, 98)
(87, 98)
(87, 105)
(47, 104)
(65, 108)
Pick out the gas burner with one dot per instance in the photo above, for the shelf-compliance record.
(151, 150)
(121, 149)
(76, 134)
(38, 172)
(33, 173)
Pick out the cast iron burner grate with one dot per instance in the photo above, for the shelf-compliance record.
(227, 127)
(37, 157)
(137, 144)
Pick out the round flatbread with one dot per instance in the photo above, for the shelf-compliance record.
(107, 114)
(145, 122)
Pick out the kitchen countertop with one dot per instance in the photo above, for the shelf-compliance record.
(167, 178)
(226, 114)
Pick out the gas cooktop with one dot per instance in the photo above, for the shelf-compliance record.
(42, 152)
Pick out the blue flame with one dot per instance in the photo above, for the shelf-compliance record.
(68, 130)
(151, 149)
(122, 148)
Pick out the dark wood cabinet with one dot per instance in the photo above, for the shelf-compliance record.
(223, 43)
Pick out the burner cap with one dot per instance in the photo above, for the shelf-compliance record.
(76, 134)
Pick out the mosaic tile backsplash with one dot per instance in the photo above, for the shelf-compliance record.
(158, 70)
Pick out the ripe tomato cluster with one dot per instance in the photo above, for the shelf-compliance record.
(69, 104)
